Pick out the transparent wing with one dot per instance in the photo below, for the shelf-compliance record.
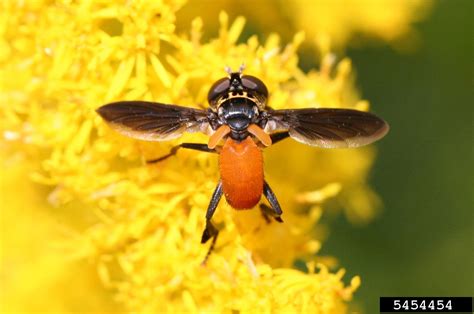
(328, 128)
(152, 121)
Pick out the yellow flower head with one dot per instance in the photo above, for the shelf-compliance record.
(140, 225)
(331, 24)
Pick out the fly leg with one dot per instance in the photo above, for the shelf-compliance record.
(210, 231)
(274, 210)
(268, 213)
(276, 137)
(174, 150)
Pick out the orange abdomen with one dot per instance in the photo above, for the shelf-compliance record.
(241, 166)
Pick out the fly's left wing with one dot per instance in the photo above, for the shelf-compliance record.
(328, 128)
(152, 121)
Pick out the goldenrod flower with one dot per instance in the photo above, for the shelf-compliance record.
(138, 225)
(330, 24)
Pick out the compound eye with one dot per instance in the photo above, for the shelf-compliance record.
(217, 89)
(254, 84)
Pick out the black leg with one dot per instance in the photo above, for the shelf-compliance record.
(174, 150)
(268, 213)
(210, 231)
(276, 137)
(274, 210)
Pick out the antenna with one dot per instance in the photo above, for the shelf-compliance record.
(229, 70)
(241, 68)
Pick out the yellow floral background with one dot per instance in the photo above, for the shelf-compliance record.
(87, 226)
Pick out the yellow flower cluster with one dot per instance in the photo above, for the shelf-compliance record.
(330, 24)
(139, 225)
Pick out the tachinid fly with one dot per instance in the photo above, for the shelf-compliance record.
(240, 124)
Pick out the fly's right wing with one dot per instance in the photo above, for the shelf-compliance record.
(327, 127)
